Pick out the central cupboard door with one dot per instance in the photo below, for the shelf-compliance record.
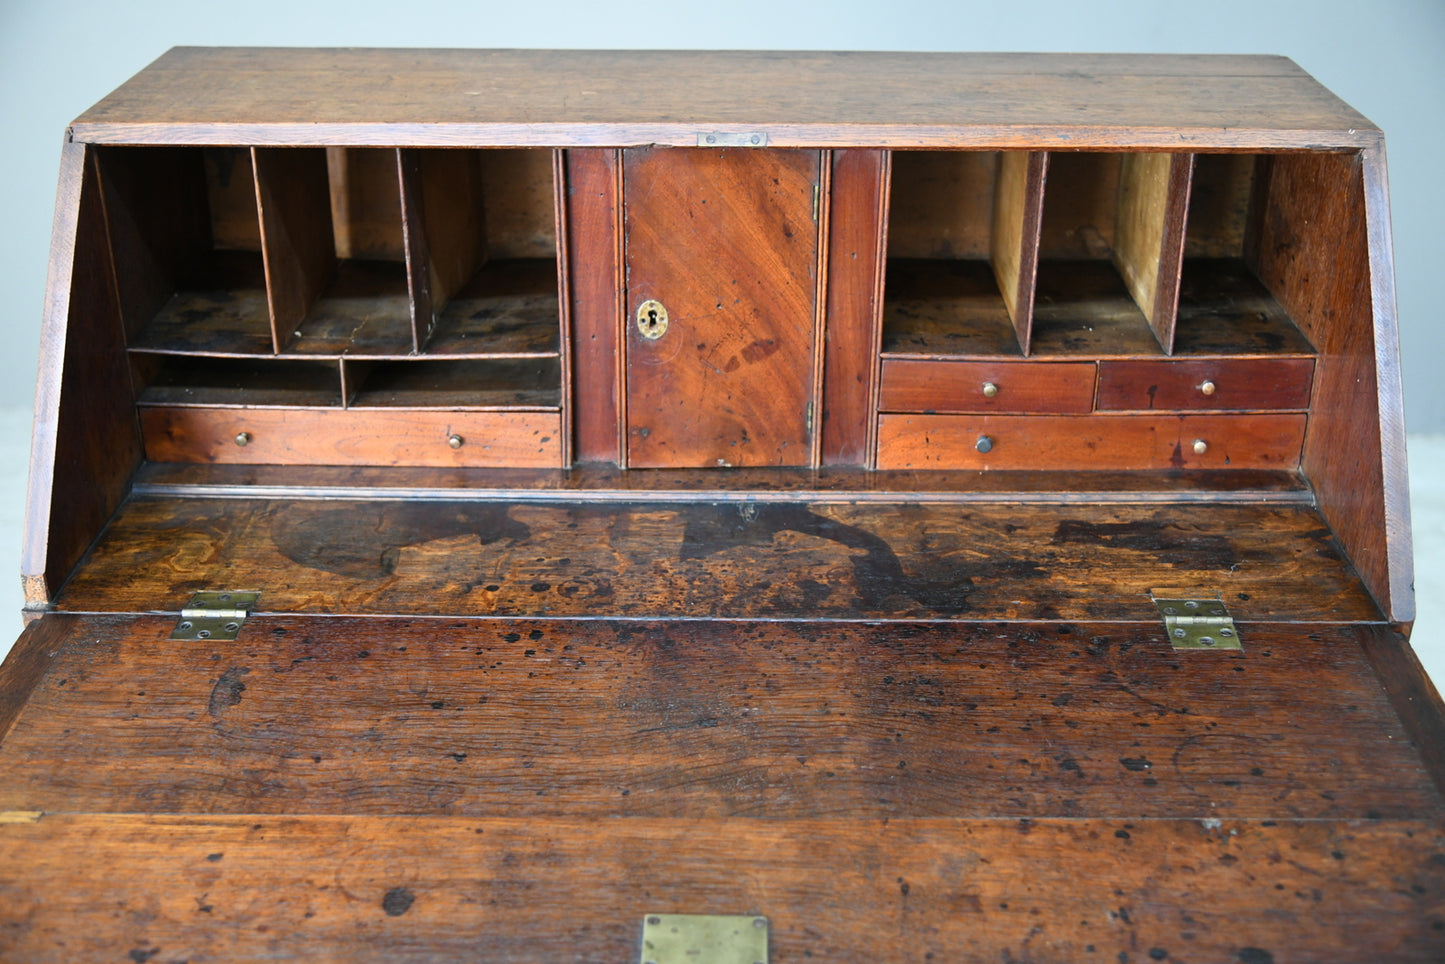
(722, 292)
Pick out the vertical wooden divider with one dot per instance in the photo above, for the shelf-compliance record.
(1149, 239)
(297, 244)
(564, 299)
(854, 265)
(1014, 246)
(592, 181)
(419, 270)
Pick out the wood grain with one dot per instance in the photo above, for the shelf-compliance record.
(855, 278)
(1314, 254)
(1115, 442)
(1014, 246)
(1220, 194)
(85, 441)
(365, 192)
(383, 888)
(726, 240)
(424, 291)
(600, 482)
(594, 238)
(591, 98)
(686, 559)
(354, 437)
(698, 720)
(1149, 253)
(1239, 384)
(958, 386)
(1412, 693)
(292, 189)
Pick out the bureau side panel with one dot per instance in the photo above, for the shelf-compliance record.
(86, 442)
(1316, 253)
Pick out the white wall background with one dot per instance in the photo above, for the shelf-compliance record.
(1386, 58)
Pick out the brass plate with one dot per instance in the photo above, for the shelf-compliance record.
(704, 939)
(651, 320)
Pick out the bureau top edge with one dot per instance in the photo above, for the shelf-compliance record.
(817, 99)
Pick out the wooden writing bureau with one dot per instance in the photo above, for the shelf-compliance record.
(750, 485)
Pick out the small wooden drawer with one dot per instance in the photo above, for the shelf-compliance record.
(1224, 384)
(1116, 442)
(262, 436)
(916, 385)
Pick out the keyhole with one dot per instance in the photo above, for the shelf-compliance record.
(651, 320)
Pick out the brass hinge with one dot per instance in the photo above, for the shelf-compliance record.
(215, 614)
(725, 139)
(1196, 620)
(704, 939)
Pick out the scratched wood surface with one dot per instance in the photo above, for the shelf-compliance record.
(703, 720)
(767, 560)
(497, 97)
(573, 890)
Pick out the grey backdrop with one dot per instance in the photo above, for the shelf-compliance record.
(1387, 58)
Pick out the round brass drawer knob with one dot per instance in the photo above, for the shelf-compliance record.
(456, 441)
(1200, 446)
(984, 444)
(243, 438)
(989, 389)
(1207, 387)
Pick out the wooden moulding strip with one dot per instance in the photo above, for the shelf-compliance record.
(1014, 248)
(822, 214)
(564, 296)
(854, 264)
(592, 211)
(297, 244)
(1149, 239)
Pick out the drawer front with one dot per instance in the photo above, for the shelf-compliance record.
(1228, 384)
(910, 385)
(1118, 442)
(352, 437)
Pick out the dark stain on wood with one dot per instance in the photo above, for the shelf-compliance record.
(227, 691)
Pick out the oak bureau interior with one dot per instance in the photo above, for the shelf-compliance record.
(752, 494)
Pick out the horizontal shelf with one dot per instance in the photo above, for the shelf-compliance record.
(266, 382)
(458, 384)
(218, 308)
(945, 307)
(1224, 309)
(508, 308)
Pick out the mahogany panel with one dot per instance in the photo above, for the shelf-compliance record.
(727, 242)
(1117, 442)
(354, 437)
(594, 258)
(914, 385)
(573, 890)
(1234, 383)
(684, 558)
(1314, 254)
(699, 720)
(292, 189)
(85, 443)
(855, 278)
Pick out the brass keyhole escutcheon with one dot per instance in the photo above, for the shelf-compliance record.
(651, 320)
